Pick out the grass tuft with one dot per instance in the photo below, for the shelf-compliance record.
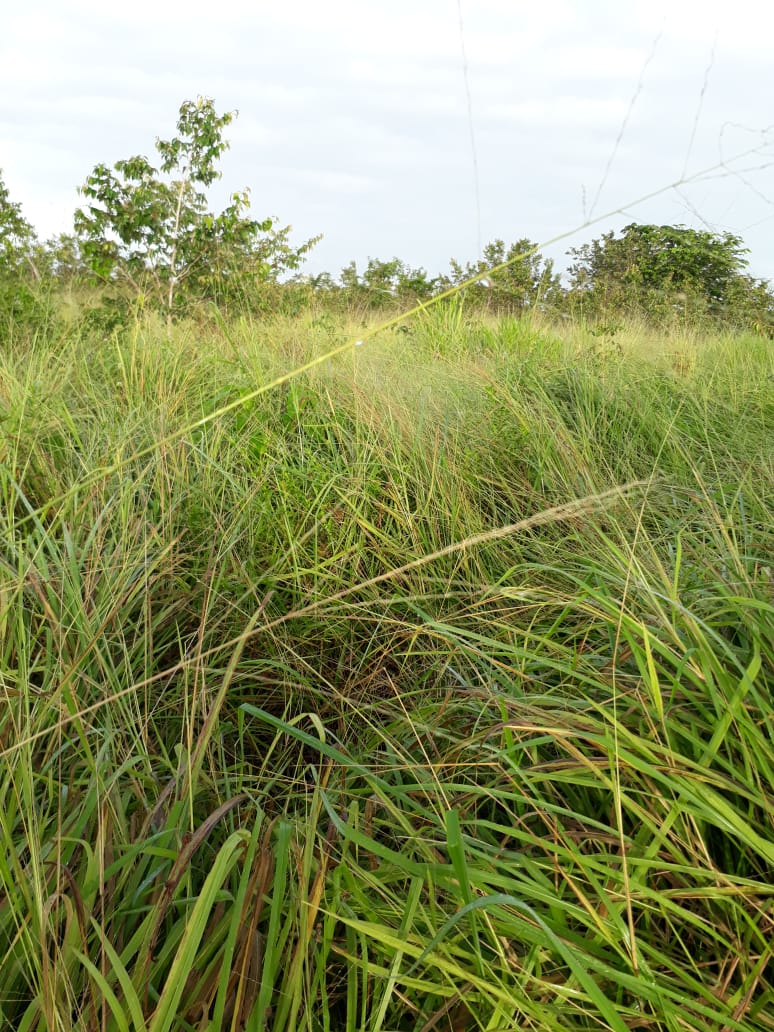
(429, 690)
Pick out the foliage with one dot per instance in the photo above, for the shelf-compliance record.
(16, 234)
(517, 278)
(658, 271)
(385, 284)
(158, 234)
(750, 304)
(147, 238)
(61, 260)
(25, 303)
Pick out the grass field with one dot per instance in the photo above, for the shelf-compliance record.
(430, 689)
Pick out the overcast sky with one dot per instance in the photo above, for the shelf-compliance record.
(355, 121)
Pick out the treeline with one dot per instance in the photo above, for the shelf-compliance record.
(145, 237)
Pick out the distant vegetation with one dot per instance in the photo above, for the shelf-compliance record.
(422, 685)
(145, 234)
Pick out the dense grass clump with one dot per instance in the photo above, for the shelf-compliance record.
(430, 689)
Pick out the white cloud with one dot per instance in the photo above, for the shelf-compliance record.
(354, 116)
(559, 112)
(332, 181)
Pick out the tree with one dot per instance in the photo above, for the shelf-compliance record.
(61, 259)
(21, 298)
(152, 228)
(751, 305)
(386, 283)
(657, 270)
(512, 280)
(17, 236)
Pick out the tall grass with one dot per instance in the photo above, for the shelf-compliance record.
(431, 690)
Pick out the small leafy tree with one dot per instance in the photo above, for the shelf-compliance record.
(152, 227)
(61, 260)
(750, 305)
(17, 236)
(657, 270)
(385, 284)
(526, 280)
(22, 296)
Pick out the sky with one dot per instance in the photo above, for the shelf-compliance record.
(420, 129)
